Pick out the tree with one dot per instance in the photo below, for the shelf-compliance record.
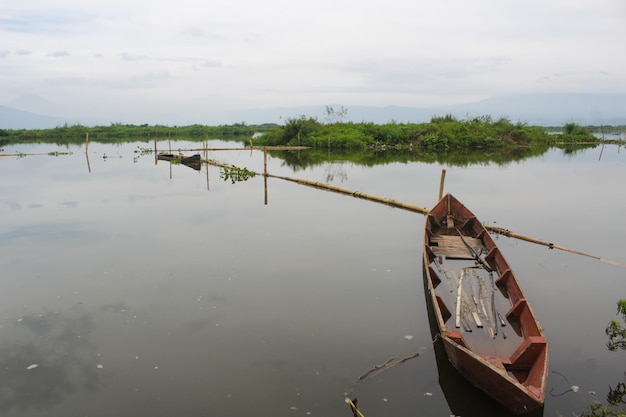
(298, 129)
(335, 116)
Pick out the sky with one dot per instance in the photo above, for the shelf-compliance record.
(124, 60)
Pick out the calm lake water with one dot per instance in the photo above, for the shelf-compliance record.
(143, 289)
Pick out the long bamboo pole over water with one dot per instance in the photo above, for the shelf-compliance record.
(353, 193)
(508, 233)
(334, 188)
(417, 209)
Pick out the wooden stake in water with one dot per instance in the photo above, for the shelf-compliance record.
(443, 178)
(206, 157)
(87, 151)
(265, 173)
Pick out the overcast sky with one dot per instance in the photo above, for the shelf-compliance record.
(116, 58)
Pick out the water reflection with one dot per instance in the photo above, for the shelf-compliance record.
(298, 161)
(51, 359)
(322, 285)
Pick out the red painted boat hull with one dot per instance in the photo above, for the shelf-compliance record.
(516, 379)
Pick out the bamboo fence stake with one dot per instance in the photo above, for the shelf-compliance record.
(87, 151)
(264, 173)
(443, 178)
(206, 156)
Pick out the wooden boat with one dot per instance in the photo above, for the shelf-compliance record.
(193, 161)
(489, 332)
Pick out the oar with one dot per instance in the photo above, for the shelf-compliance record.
(508, 233)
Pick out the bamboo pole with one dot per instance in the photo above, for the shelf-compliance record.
(87, 151)
(603, 142)
(26, 154)
(416, 209)
(443, 178)
(206, 156)
(508, 233)
(340, 190)
(264, 174)
(256, 148)
(353, 193)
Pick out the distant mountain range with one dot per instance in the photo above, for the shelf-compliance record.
(11, 118)
(534, 109)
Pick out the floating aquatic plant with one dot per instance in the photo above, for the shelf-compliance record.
(236, 174)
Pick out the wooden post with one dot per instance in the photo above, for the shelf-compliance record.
(443, 178)
(206, 157)
(87, 151)
(603, 142)
(265, 172)
(156, 159)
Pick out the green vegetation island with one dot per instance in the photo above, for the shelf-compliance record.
(441, 133)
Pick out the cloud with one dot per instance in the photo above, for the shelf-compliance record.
(203, 35)
(211, 63)
(42, 20)
(426, 75)
(246, 53)
(574, 75)
(146, 80)
(58, 54)
(132, 57)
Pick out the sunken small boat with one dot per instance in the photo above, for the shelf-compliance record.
(192, 161)
(488, 329)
